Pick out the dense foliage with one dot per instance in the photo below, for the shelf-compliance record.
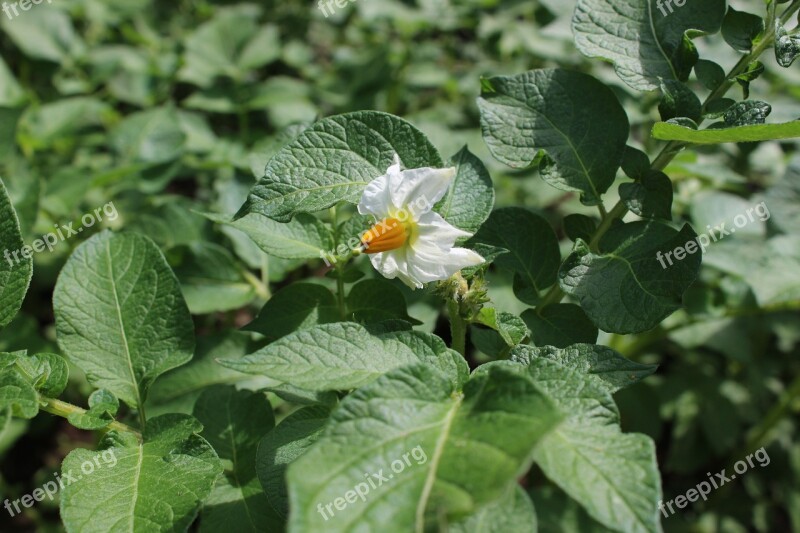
(185, 193)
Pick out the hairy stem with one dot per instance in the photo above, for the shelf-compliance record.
(458, 328)
(64, 409)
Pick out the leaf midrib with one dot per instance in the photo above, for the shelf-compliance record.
(122, 325)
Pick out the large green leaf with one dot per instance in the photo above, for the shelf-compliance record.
(644, 41)
(120, 315)
(633, 283)
(15, 271)
(414, 430)
(338, 356)
(613, 475)
(233, 423)
(333, 161)
(567, 123)
(470, 199)
(303, 237)
(533, 255)
(615, 372)
(155, 485)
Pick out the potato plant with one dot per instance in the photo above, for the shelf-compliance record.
(518, 268)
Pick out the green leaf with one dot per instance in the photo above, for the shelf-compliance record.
(211, 279)
(229, 45)
(55, 122)
(178, 389)
(635, 163)
(645, 42)
(614, 476)
(787, 47)
(304, 237)
(747, 113)
(377, 300)
(337, 356)
(48, 373)
(470, 199)
(624, 288)
(17, 396)
(615, 372)
(153, 136)
(529, 119)
(533, 254)
(333, 161)
(756, 133)
(158, 484)
(296, 307)
(46, 34)
(15, 276)
(559, 325)
(510, 327)
(649, 198)
(120, 315)
(753, 71)
(103, 407)
(740, 29)
(281, 447)
(679, 101)
(414, 429)
(233, 424)
(513, 512)
(579, 227)
(710, 74)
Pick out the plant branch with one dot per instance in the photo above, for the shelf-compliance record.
(673, 148)
(458, 328)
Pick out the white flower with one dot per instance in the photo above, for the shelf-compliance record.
(410, 241)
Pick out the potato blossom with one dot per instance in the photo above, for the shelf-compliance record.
(409, 240)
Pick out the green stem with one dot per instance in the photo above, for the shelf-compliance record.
(64, 409)
(261, 289)
(458, 328)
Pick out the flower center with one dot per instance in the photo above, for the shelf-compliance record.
(388, 234)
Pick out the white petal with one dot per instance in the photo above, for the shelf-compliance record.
(435, 230)
(376, 199)
(419, 189)
(429, 263)
(394, 264)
